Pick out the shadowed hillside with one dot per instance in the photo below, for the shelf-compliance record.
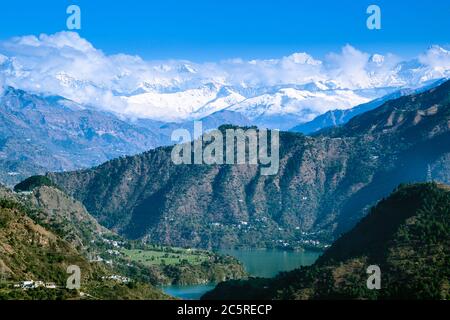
(406, 235)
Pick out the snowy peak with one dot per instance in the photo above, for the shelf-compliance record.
(377, 59)
(438, 50)
(296, 86)
(291, 106)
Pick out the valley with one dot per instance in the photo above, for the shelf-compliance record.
(111, 266)
(265, 263)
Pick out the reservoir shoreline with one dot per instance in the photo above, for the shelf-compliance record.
(265, 263)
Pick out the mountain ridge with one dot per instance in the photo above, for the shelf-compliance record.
(334, 118)
(42, 133)
(325, 183)
(294, 88)
(404, 235)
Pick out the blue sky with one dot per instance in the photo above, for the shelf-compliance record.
(201, 30)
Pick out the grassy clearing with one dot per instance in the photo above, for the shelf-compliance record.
(151, 257)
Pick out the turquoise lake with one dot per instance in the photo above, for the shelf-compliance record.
(257, 262)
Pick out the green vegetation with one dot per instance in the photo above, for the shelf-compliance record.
(32, 182)
(111, 290)
(31, 251)
(44, 231)
(38, 294)
(165, 265)
(406, 235)
(167, 256)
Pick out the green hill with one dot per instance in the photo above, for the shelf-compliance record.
(30, 251)
(407, 235)
(30, 183)
(69, 222)
(324, 186)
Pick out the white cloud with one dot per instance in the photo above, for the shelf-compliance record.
(354, 69)
(436, 57)
(68, 65)
(349, 67)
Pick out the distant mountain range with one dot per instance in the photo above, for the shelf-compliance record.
(50, 133)
(278, 93)
(405, 236)
(52, 120)
(182, 92)
(41, 133)
(336, 118)
(325, 184)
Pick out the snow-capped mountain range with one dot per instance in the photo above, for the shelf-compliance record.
(277, 93)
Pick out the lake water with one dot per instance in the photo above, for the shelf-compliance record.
(258, 263)
(268, 263)
(193, 292)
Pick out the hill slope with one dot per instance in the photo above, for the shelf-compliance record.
(69, 220)
(42, 133)
(407, 235)
(29, 251)
(49, 133)
(325, 183)
(335, 118)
